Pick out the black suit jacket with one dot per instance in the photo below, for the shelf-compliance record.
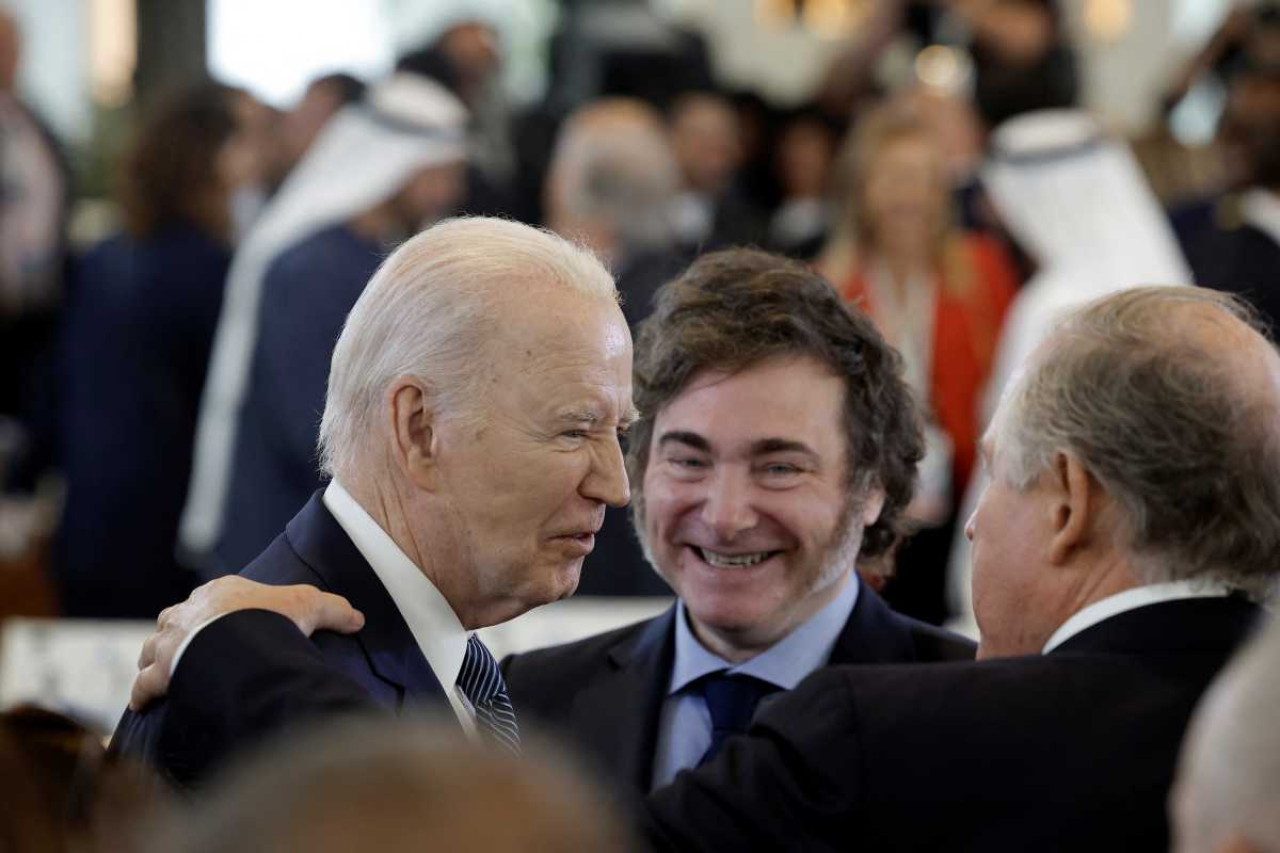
(604, 694)
(1074, 750)
(250, 676)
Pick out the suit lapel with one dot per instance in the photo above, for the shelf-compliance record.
(617, 715)
(388, 644)
(873, 633)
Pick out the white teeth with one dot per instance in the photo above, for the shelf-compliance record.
(734, 560)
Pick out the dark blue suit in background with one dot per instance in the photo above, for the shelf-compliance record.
(237, 705)
(132, 360)
(306, 296)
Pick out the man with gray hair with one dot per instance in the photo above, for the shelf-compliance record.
(471, 428)
(1225, 800)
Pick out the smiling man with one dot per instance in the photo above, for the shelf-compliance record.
(776, 449)
(471, 431)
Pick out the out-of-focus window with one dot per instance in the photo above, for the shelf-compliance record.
(1195, 118)
(275, 49)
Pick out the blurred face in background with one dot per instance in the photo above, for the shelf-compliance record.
(905, 194)
(246, 163)
(1251, 125)
(705, 138)
(430, 194)
(804, 156)
(299, 127)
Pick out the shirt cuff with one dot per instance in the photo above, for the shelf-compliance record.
(173, 667)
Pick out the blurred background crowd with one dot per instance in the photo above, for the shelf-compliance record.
(191, 206)
(194, 192)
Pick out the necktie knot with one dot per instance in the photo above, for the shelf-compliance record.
(482, 683)
(732, 701)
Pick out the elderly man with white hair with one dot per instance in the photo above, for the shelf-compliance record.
(1227, 799)
(379, 171)
(471, 428)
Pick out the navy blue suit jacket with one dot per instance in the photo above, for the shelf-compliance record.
(307, 293)
(233, 705)
(604, 694)
(133, 355)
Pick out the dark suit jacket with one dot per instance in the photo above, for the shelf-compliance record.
(133, 355)
(605, 693)
(1074, 750)
(250, 676)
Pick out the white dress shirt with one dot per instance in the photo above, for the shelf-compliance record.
(431, 620)
(1132, 599)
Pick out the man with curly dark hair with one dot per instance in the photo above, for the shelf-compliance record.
(774, 454)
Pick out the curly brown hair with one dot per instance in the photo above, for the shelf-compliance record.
(736, 308)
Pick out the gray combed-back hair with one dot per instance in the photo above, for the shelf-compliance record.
(427, 313)
(1188, 447)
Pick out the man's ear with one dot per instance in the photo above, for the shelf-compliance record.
(872, 504)
(1074, 506)
(414, 437)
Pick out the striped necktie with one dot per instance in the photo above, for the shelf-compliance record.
(482, 683)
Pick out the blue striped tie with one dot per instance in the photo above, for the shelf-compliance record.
(482, 682)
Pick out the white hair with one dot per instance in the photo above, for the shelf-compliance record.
(428, 312)
(1230, 766)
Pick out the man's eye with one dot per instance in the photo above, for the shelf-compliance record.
(780, 469)
(574, 433)
(687, 462)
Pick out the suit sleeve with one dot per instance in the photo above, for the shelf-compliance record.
(791, 784)
(243, 678)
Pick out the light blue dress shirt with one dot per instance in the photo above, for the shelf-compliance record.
(684, 727)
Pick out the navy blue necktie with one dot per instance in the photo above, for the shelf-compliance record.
(484, 686)
(732, 701)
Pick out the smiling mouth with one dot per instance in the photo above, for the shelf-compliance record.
(732, 561)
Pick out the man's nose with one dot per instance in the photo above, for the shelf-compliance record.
(727, 509)
(607, 479)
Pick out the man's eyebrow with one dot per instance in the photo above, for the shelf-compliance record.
(780, 445)
(580, 416)
(689, 439)
(592, 417)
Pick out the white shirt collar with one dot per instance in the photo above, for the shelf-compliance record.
(784, 664)
(431, 620)
(1132, 599)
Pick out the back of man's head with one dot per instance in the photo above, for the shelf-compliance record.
(428, 313)
(1170, 398)
(396, 785)
(613, 168)
(1226, 795)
